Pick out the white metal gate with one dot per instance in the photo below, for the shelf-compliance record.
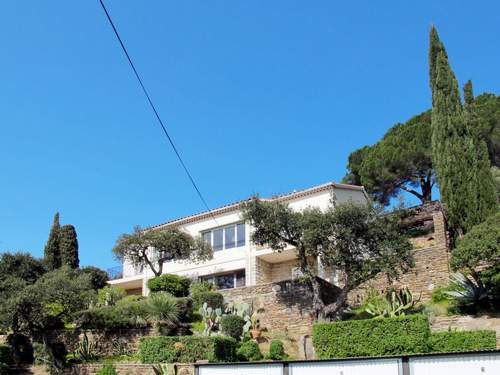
(480, 364)
(390, 366)
(253, 369)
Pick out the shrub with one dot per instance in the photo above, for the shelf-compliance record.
(185, 306)
(5, 355)
(249, 351)
(187, 349)
(4, 369)
(456, 341)
(176, 285)
(113, 317)
(214, 300)
(107, 369)
(277, 351)
(200, 287)
(109, 295)
(21, 348)
(371, 337)
(162, 310)
(232, 326)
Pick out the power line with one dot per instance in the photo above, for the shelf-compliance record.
(170, 140)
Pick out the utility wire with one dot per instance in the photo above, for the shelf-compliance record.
(170, 140)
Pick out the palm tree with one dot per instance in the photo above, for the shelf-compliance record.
(163, 310)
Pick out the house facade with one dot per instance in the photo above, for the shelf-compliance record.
(237, 262)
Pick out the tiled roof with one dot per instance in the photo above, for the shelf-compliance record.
(235, 205)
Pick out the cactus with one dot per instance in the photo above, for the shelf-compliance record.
(397, 303)
(211, 318)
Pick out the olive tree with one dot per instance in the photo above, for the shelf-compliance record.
(153, 248)
(356, 240)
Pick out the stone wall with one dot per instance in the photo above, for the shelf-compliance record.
(466, 323)
(110, 342)
(431, 258)
(131, 369)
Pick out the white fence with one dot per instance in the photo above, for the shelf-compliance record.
(435, 364)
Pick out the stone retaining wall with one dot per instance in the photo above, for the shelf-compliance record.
(130, 369)
(466, 323)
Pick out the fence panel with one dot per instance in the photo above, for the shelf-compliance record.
(253, 369)
(390, 366)
(466, 364)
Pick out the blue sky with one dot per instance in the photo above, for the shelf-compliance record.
(260, 96)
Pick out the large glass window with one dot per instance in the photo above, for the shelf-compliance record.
(229, 237)
(218, 239)
(227, 280)
(240, 240)
(226, 237)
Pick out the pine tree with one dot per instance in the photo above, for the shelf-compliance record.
(458, 166)
(52, 256)
(68, 246)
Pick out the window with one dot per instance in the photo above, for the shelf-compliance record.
(229, 237)
(226, 237)
(228, 280)
(240, 240)
(218, 245)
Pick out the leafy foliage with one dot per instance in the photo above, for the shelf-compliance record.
(468, 295)
(22, 266)
(98, 277)
(371, 337)
(249, 351)
(277, 351)
(480, 246)
(400, 161)
(5, 355)
(176, 285)
(110, 295)
(187, 349)
(356, 240)
(455, 341)
(168, 244)
(215, 300)
(232, 326)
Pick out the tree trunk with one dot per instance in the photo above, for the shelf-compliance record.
(426, 186)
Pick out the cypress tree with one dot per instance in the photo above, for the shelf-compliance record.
(52, 256)
(454, 146)
(482, 183)
(68, 246)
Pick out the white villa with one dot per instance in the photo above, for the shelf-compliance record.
(237, 262)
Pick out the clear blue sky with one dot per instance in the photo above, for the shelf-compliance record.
(260, 96)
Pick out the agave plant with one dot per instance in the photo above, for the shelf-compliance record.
(87, 350)
(162, 310)
(211, 318)
(163, 369)
(396, 303)
(465, 290)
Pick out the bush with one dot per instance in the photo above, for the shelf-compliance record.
(186, 349)
(200, 287)
(371, 337)
(176, 285)
(21, 348)
(4, 369)
(232, 326)
(185, 306)
(277, 351)
(131, 315)
(5, 355)
(110, 295)
(214, 300)
(456, 341)
(249, 351)
(107, 369)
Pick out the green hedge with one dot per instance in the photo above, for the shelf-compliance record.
(187, 349)
(371, 337)
(214, 300)
(457, 341)
(176, 285)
